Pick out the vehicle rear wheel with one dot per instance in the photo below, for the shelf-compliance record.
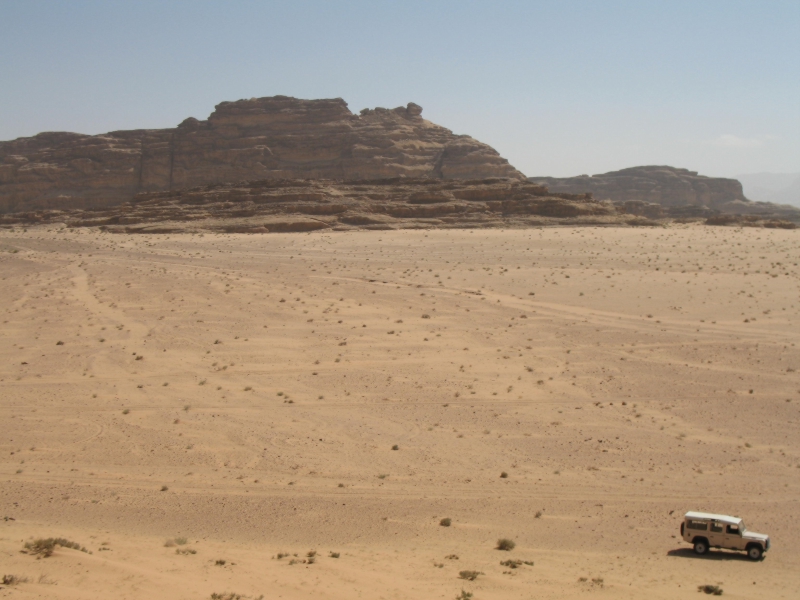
(700, 547)
(755, 552)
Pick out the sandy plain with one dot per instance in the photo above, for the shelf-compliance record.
(246, 393)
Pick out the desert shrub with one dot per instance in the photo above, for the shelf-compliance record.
(445, 522)
(469, 575)
(464, 595)
(710, 589)
(14, 580)
(220, 562)
(510, 563)
(164, 488)
(185, 551)
(334, 555)
(395, 447)
(311, 553)
(503, 475)
(181, 541)
(45, 547)
(505, 544)
(538, 515)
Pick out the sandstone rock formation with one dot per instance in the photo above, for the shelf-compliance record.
(666, 186)
(276, 137)
(280, 205)
(660, 191)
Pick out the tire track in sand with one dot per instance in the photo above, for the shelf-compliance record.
(82, 292)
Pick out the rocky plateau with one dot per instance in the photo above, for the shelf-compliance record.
(661, 191)
(285, 164)
(276, 137)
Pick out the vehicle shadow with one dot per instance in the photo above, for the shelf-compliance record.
(710, 555)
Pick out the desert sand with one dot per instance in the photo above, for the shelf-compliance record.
(575, 390)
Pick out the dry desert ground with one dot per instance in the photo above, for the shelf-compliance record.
(188, 408)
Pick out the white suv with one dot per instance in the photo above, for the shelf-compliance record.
(706, 530)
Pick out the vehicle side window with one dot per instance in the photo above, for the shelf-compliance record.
(698, 525)
(716, 527)
(733, 529)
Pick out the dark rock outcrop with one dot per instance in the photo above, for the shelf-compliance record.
(276, 137)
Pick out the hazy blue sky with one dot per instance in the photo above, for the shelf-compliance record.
(557, 87)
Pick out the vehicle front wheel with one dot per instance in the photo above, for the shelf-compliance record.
(755, 552)
(700, 547)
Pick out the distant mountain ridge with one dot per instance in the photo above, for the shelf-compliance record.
(679, 191)
(664, 185)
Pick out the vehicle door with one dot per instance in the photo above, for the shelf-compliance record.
(733, 537)
(716, 534)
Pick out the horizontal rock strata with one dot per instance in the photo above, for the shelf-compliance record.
(280, 205)
(277, 137)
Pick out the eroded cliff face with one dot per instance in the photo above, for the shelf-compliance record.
(260, 138)
(667, 186)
